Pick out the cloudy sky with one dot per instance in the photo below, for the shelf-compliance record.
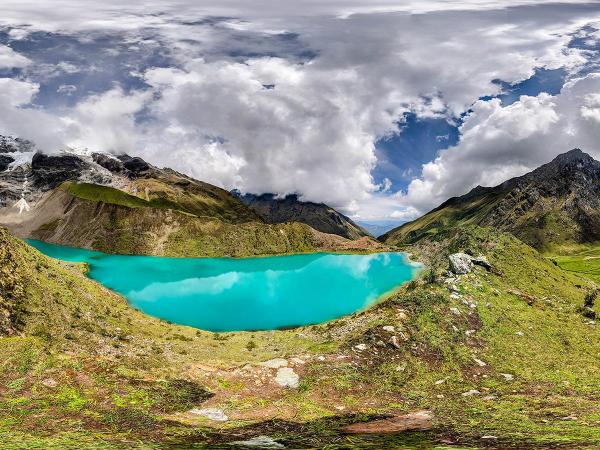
(383, 111)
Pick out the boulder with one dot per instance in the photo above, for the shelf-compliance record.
(460, 263)
(286, 377)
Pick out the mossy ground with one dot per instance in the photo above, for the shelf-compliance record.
(126, 380)
(583, 260)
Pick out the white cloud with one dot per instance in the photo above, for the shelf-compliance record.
(10, 59)
(499, 142)
(106, 122)
(19, 120)
(315, 132)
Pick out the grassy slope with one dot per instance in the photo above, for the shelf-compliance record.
(109, 361)
(544, 225)
(449, 215)
(583, 261)
(110, 220)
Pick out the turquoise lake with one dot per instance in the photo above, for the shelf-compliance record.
(226, 294)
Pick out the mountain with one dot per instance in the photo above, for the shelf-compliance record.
(122, 204)
(379, 227)
(556, 205)
(319, 216)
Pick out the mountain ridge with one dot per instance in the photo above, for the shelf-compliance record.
(122, 204)
(553, 205)
(321, 217)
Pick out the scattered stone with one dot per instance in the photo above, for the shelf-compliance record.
(380, 343)
(275, 363)
(588, 312)
(570, 418)
(471, 392)
(417, 421)
(50, 382)
(340, 408)
(482, 262)
(508, 376)
(259, 442)
(389, 328)
(460, 263)
(286, 377)
(361, 347)
(321, 358)
(455, 311)
(455, 296)
(490, 398)
(440, 396)
(520, 333)
(479, 362)
(394, 341)
(443, 380)
(470, 332)
(530, 299)
(298, 361)
(211, 413)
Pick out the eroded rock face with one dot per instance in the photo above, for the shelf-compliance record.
(460, 263)
(5, 162)
(109, 162)
(49, 172)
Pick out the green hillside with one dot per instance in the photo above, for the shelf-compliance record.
(113, 221)
(555, 208)
(505, 353)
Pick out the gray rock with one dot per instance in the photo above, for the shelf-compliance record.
(286, 377)
(482, 261)
(275, 363)
(460, 263)
(470, 393)
(259, 442)
(50, 382)
(211, 413)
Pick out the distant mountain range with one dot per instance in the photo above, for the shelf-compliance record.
(273, 209)
(379, 227)
(555, 205)
(122, 204)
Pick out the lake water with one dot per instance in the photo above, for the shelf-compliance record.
(225, 294)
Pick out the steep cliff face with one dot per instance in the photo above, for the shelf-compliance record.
(556, 204)
(290, 209)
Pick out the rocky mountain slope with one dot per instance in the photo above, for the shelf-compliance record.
(554, 206)
(121, 204)
(290, 209)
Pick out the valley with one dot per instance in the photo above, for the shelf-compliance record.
(500, 355)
